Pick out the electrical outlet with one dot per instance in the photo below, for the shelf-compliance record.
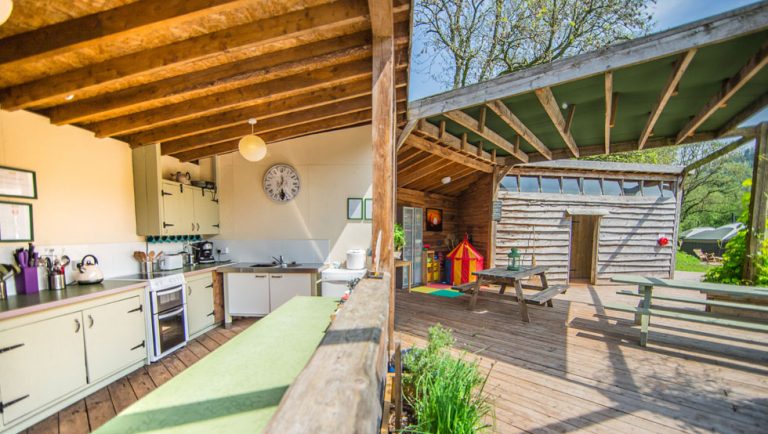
(226, 250)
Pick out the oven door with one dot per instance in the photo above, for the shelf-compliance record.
(170, 331)
(168, 299)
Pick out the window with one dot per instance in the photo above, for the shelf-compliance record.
(651, 188)
(667, 189)
(550, 185)
(509, 183)
(611, 187)
(571, 186)
(631, 188)
(529, 184)
(592, 187)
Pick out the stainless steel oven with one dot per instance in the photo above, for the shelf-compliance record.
(169, 315)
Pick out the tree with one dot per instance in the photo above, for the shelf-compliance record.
(479, 39)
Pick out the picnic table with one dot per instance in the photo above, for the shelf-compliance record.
(503, 277)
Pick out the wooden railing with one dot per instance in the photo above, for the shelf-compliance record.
(340, 390)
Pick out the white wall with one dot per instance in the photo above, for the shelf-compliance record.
(332, 167)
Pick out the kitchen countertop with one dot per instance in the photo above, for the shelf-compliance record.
(22, 304)
(238, 387)
(245, 267)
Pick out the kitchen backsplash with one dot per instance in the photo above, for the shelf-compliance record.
(305, 251)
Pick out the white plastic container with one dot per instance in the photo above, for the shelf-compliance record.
(355, 259)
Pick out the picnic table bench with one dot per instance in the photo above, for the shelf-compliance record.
(646, 307)
(503, 277)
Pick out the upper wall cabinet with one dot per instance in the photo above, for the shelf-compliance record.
(166, 207)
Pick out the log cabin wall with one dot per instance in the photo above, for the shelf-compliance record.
(474, 205)
(416, 198)
(629, 228)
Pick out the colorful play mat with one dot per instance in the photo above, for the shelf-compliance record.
(438, 290)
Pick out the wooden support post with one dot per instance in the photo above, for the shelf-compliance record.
(758, 205)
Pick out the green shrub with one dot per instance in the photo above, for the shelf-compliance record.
(399, 237)
(446, 393)
(735, 254)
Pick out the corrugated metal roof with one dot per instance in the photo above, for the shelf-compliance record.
(604, 166)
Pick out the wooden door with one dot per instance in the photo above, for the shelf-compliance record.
(584, 232)
(283, 287)
(206, 212)
(115, 337)
(199, 304)
(41, 362)
(178, 209)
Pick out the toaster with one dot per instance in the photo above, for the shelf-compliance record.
(171, 262)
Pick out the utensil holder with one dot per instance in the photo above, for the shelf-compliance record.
(56, 282)
(27, 281)
(147, 267)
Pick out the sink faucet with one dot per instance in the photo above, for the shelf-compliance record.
(280, 262)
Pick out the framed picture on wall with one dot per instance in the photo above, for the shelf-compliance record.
(354, 208)
(368, 208)
(17, 183)
(434, 220)
(16, 222)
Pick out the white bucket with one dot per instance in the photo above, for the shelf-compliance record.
(355, 259)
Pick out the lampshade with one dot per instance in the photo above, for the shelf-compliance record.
(252, 147)
(6, 7)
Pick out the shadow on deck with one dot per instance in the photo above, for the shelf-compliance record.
(577, 368)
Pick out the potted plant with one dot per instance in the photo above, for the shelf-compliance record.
(399, 240)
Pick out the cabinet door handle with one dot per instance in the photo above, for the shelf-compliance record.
(4, 405)
(216, 225)
(209, 286)
(138, 309)
(189, 289)
(198, 227)
(141, 345)
(77, 325)
(193, 227)
(210, 314)
(90, 321)
(165, 225)
(259, 276)
(12, 347)
(277, 276)
(165, 193)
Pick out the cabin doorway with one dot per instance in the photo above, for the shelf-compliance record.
(585, 230)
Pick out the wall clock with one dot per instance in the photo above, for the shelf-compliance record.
(281, 183)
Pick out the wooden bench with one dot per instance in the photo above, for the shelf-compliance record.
(539, 298)
(647, 306)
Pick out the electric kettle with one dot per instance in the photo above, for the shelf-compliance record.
(89, 271)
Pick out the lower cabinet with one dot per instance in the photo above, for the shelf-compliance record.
(114, 337)
(283, 287)
(246, 294)
(41, 362)
(200, 313)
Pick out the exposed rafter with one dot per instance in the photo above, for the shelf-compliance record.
(666, 93)
(744, 115)
(404, 133)
(491, 136)
(422, 144)
(516, 124)
(729, 88)
(450, 140)
(548, 101)
(608, 109)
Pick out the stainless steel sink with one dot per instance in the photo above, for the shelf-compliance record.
(263, 265)
(274, 265)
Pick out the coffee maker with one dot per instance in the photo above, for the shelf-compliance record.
(204, 252)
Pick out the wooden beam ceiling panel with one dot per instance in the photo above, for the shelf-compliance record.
(258, 110)
(491, 136)
(450, 140)
(332, 109)
(435, 182)
(417, 165)
(406, 155)
(422, 144)
(424, 171)
(744, 115)
(548, 101)
(259, 37)
(236, 98)
(729, 88)
(516, 124)
(108, 26)
(456, 188)
(666, 94)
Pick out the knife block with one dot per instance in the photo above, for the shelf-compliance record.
(27, 281)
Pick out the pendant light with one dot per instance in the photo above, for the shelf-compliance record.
(6, 7)
(252, 147)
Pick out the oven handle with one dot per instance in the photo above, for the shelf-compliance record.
(170, 290)
(170, 314)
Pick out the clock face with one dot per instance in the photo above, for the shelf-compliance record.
(281, 183)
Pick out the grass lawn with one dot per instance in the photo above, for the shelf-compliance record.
(686, 262)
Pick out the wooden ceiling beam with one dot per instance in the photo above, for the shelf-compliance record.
(455, 188)
(447, 153)
(519, 127)
(666, 94)
(744, 115)
(548, 101)
(729, 88)
(457, 173)
(422, 171)
(259, 37)
(608, 96)
(408, 155)
(258, 110)
(381, 13)
(491, 136)
(91, 31)
(450, 140)
(236, 98)
(331, 109)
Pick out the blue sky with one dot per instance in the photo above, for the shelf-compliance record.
(666, 13)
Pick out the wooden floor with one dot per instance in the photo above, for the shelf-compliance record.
(577, 368)
(90, 413)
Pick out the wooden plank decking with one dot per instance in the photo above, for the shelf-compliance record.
(90, 413)
(577, 368)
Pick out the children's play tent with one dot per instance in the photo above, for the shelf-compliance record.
(461, 262)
